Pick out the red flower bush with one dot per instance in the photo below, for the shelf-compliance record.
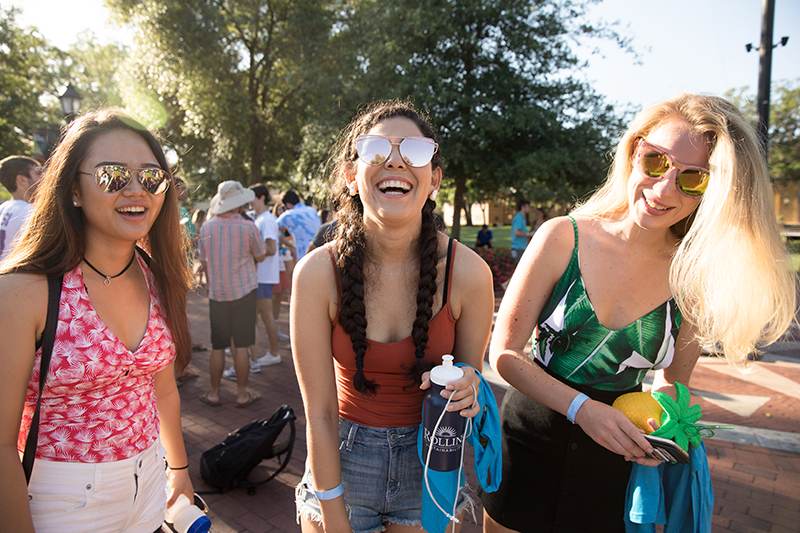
(500, 261)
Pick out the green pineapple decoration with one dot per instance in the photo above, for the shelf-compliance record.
(679, 420)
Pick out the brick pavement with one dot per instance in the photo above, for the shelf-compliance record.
(756, 489)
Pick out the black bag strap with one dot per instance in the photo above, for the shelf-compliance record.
(284, 447)
(145, 256)
(54, 283)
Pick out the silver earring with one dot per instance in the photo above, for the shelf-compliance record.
(434, 194)
(75, 203)
(352, 188)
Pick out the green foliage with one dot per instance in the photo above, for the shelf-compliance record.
(496, 75)
(235, 80)
(785, 133)
(784, 130)
(25, 80)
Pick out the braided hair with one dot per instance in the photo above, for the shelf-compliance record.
(351, 244)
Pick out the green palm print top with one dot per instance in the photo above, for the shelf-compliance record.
(573, 343)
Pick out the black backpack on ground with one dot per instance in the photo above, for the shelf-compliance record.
(227, 465)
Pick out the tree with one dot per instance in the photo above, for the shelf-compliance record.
(25, 79)
(784, 133)
(496, 77)
(93, 69)
(233, 78)
(784, 129)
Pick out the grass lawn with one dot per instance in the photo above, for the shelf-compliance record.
(501, 236)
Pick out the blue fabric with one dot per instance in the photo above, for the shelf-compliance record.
(676, 495)
(518, 223)
(488, 462)
(302, 222)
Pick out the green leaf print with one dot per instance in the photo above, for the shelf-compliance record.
(646, 335)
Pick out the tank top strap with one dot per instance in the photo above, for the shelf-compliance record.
(335, 272)
(575, 228)
(448, 271)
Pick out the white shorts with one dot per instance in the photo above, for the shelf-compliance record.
(121, 496)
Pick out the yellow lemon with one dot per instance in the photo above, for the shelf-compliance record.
(638, 407)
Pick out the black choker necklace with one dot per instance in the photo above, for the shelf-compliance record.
(108, 279)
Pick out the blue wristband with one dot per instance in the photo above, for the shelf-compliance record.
(335, 492)
(575, 405)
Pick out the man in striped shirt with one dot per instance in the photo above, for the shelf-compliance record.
(230, 247)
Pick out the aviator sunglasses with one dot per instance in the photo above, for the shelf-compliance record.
(114, 178)
(654, 162)
(415, 151)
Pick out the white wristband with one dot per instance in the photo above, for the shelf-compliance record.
(575, 405)
(335, 492)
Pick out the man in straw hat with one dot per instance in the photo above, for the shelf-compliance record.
(230, 246)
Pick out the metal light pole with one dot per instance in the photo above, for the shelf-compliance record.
(765, 70)
(70, 103)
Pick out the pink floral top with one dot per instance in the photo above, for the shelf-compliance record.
(99, 401)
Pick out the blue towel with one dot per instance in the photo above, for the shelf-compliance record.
(676, 495)
(485, 439)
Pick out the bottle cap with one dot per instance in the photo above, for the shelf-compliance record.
(201, 525)
(446, 372)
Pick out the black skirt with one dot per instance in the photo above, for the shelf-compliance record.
(555, 477)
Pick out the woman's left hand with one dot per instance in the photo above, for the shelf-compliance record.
(179, 483)
(466, 397)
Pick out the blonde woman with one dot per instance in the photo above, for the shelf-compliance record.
(679, 249)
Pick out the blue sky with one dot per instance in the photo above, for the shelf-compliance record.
(684, 45)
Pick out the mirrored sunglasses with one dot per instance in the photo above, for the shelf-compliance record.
(114, 178)
(376, 149)
(653, 161)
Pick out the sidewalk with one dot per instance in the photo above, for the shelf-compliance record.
(756, 488)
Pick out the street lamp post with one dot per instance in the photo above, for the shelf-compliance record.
(765, 71)
(70, 103)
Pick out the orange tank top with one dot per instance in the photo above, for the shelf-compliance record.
(398, 402)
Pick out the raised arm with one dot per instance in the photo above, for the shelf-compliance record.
(313, 309)
(23, 310)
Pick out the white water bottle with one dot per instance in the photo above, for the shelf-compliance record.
(186, 517)
(446, 437)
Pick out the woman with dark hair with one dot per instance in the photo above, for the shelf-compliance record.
(371, 313)
(679, 249)
(110, 409)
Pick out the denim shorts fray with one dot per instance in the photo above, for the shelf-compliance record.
(382, 479)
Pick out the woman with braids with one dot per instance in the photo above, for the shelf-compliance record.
(109, 408)
(371, 313)
(679, 249)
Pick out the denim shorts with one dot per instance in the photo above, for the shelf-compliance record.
(382, 478)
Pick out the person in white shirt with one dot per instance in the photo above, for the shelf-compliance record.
(20, 175)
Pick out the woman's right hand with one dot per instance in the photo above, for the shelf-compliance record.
(611, 429)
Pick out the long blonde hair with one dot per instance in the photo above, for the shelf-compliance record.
(731, 275)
